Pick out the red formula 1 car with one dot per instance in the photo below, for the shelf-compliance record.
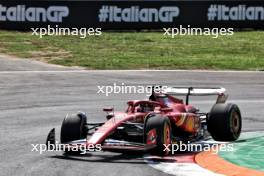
(147, 125)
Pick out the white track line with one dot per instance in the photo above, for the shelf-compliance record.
(181, 169)
(107, 71)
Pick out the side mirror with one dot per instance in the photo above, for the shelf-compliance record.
(108, 109)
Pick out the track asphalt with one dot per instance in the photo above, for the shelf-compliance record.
(36, 97)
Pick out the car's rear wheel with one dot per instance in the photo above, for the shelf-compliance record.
(158, 132)
(224, 122)
(73, 127)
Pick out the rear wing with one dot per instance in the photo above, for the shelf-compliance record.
(197, 91)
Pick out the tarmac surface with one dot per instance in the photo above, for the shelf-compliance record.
(35, 97)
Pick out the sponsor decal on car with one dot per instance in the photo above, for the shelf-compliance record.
(151, 137)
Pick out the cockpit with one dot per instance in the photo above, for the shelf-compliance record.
(142, 106)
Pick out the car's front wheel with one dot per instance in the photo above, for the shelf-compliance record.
(73, 127)
(158, 132)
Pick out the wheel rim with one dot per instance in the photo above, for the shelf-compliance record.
(167, 135)
(235, 122)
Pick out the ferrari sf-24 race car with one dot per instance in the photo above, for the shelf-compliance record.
(148, 125)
